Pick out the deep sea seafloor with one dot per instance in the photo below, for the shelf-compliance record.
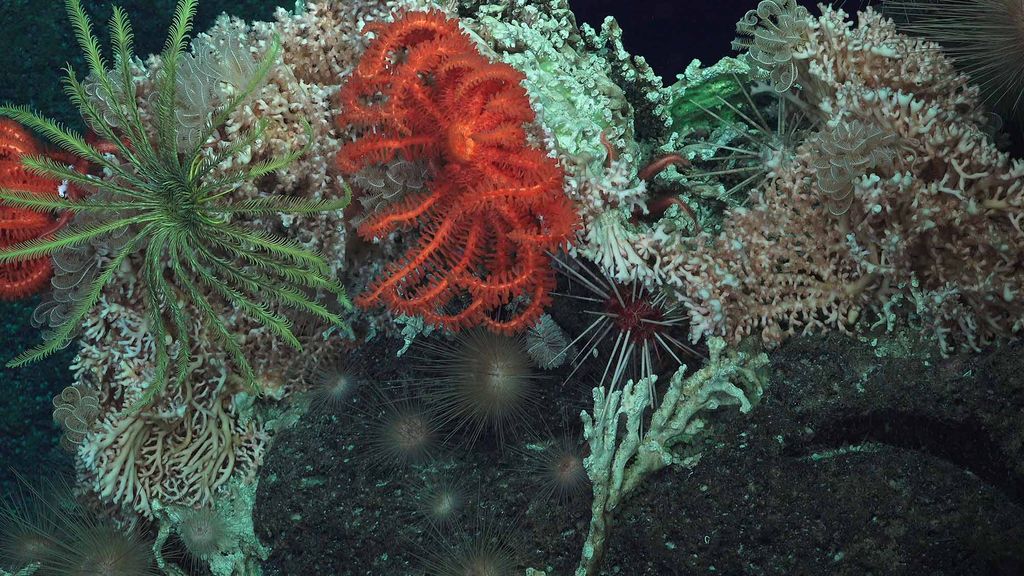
(482, 288)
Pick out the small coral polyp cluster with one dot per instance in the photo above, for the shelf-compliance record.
(198, 245)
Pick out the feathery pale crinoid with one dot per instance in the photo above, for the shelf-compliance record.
(770, 35)
(493, 206)
(846, 151)
(75, 409)
(181, 237)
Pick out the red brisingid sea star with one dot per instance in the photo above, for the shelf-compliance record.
(493, 208)
(23, 278)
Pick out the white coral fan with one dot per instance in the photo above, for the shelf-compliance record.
(606, 197)
(939, 225)
(610, 198)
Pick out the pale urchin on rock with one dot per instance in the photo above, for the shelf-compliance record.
(479, 381)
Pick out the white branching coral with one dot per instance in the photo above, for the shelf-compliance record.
(26, 571)
(570, 88)
(584, 85)
(323, 43)
(609, 198)
(184, 446)
(606, 196)
(625, 448)
(179, 449)
(293, 113)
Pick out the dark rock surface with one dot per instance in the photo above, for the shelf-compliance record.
(29, 439)
(852, 464)
(328, 504)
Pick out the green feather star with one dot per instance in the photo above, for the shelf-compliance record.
(175, 213)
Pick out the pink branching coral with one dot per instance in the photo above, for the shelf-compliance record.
(938, 229)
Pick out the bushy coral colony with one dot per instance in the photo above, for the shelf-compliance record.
(507, 166)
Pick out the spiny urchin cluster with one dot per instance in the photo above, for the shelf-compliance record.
(49, 527)
(470, 387)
